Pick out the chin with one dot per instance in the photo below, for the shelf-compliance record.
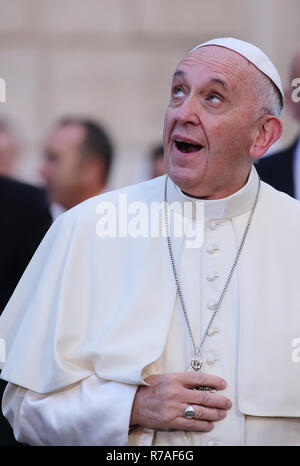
(184, 177)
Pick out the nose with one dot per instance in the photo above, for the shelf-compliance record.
(188, 111)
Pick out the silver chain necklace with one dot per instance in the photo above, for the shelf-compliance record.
(196, 363)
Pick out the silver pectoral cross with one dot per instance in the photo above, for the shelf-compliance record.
(196, 363)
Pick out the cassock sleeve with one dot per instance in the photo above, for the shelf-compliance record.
(90, 412)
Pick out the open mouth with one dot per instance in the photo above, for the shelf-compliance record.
(187, 147)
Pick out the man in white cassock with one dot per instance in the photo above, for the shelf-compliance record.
(143, 340)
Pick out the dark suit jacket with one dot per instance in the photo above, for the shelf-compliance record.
(278, 170)
(24, 220)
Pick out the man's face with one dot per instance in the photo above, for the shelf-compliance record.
(62, 163)
(209, 125)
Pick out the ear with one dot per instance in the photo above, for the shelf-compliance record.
(268, 132)
(92, 169)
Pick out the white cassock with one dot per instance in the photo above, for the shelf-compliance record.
(92, 318)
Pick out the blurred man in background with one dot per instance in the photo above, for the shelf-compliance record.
(282, 169)
(25, 218)
(78, 158)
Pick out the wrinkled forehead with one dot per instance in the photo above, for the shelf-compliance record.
(215, 59)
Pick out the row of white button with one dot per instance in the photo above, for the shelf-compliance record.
(212, 331)
(212, 225)
(211, 277)
(212, 304)
(212, 249)
(211, 360)
(213, 443)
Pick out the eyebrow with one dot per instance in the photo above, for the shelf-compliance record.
(178, 74)
(181, 74)
(219, 81)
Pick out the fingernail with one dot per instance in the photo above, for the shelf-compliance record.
(222, 413)
(223, 384)
(210, 426)
(228, 404)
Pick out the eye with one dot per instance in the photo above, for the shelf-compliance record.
(177, 91)
(214, 98)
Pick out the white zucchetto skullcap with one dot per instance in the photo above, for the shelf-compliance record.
(252, 53)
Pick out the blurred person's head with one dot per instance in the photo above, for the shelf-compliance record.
(157, 161)
(8, 150)
(293, 105)
(77, 160)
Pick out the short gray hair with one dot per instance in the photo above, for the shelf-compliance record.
(268, 96)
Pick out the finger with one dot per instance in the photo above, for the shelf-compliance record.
(208, 414)
(192, 380)
(197, 397)
(193, 425)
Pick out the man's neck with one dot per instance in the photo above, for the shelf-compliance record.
(83, 195)
(222, 194)
(239, 202)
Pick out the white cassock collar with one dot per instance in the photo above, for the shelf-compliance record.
(237, 204)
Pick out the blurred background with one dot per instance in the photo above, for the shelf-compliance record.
(112, 61)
